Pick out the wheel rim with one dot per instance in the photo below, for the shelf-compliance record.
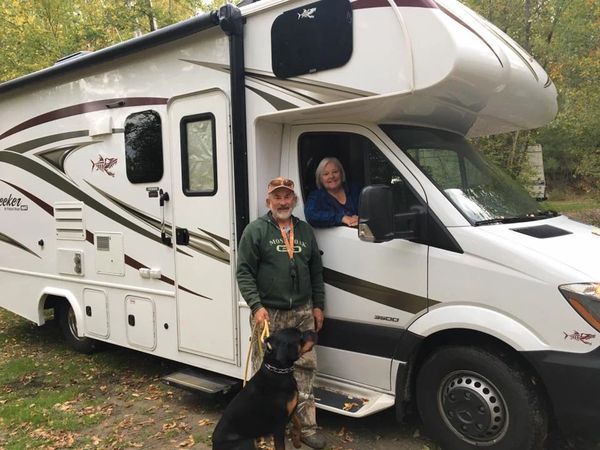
(473, 408)
(72, 323)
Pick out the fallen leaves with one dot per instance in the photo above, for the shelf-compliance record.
(58, 439)
(349, 406)
(345, 435)
(187, 443)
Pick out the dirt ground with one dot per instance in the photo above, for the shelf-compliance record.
(122, 392)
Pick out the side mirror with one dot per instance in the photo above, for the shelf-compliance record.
(378, 222)
(375, 214)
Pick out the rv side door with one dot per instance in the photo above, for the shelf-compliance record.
(202, 233)
(372, 290)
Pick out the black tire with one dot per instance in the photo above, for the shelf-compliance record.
(68, 325)
(470, 398)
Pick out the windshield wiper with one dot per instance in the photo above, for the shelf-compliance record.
(538, 215)
(490, 221)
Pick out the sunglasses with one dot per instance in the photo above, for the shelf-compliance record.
(280, 181)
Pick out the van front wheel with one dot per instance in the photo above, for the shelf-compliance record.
(469, 398)
(68, 324)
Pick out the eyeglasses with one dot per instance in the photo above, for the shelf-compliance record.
(280, 182)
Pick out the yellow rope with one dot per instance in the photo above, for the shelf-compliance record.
(264, 334)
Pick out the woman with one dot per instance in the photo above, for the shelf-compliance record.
(335, 202)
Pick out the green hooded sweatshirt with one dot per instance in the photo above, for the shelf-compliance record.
(265, 274)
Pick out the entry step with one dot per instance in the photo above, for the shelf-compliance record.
(199, 380)
(349, 400)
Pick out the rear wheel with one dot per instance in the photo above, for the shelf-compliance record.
(68, 324)
(470, 398)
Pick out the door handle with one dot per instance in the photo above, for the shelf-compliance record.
(182, 236)
(162, 198)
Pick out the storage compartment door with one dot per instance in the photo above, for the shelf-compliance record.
(141, 322)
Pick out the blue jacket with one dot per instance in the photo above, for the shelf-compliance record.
(323, 210)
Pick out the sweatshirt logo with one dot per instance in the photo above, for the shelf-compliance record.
(280, 245)
(283, 249)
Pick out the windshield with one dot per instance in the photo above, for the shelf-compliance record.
(482, 193)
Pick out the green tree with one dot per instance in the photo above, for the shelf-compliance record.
(35, 33)
(564, 36)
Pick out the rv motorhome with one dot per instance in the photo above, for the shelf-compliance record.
(128, 174)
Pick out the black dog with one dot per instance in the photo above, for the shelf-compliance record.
(267, 402)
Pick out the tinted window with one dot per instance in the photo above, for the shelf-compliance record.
(143, 147)
(314, 37)
(198, 155)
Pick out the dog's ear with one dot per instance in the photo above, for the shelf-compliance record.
(309, 340)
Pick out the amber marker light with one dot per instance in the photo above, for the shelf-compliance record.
(585, 299)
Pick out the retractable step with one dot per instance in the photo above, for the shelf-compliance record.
(201, 381)
(348, 400)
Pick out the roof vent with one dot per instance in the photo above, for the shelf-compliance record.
(75, 55)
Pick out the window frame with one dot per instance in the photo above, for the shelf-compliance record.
(185, 174)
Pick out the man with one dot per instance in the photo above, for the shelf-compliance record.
(280, 275)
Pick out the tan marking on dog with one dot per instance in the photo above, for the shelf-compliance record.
(291, 405)
(307, 347)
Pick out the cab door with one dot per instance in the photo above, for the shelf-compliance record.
(372, 290)
(203, 216)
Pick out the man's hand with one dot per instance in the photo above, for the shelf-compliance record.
(319, 317)
(260, 316)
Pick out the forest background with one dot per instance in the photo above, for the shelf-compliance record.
(562, 35)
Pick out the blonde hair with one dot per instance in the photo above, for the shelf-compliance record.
(321, 168)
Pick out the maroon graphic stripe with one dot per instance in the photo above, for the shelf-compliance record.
(83, 108)
(364, 4)
(42, 204)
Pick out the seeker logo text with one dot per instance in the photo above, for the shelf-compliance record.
(11, 203)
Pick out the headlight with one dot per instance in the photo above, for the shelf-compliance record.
(585, 299)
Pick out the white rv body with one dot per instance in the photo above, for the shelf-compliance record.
(76, 231)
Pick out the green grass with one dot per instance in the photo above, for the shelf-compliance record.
(40, 387)
(572, 205)
(52, 397)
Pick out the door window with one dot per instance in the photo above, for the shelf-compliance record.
(198, 155)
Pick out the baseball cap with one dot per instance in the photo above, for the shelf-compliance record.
(280, 182)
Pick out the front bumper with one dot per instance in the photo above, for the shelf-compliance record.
(572, 381)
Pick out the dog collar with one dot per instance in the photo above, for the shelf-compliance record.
(278, 370)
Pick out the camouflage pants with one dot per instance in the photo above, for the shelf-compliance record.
(304, 369)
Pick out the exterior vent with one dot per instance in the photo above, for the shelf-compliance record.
(542, 231)
(68, 217)
(103, 243)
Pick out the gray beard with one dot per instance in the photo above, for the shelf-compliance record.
(281, 215)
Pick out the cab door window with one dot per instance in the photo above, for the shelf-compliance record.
(363, 163)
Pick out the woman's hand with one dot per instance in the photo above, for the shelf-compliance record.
(350, 221)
